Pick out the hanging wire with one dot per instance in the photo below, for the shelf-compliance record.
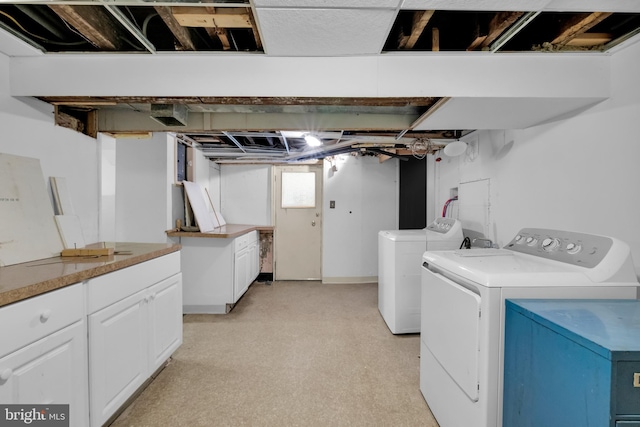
(40, 37)
(446, 206)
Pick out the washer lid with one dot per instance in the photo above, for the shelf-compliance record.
(404, 235)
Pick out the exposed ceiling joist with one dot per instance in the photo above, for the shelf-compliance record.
(497, 25)
(578, 25)
(202, 17)
(420, 21)
(182, 34)
(94, 23)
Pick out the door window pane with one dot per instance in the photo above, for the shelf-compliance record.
(298, 190)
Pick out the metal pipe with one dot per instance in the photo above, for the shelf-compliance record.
(44, 20)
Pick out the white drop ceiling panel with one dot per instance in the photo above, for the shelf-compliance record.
(325, 4)
(594, 5)
(502, 113)
(324, 32)
(476, 5)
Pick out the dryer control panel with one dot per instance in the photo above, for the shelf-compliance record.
(584, 250)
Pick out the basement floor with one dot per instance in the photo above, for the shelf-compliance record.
(290, 353)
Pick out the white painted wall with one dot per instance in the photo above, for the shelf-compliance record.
(107, 147)
(366, 196)
(143, 189)
(215, 185)
(246, 194)
(28, 130)
(578, 174)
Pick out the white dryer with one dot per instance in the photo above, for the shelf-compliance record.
(399, 259)
(463, 307)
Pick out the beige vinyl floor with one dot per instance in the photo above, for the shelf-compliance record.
(289, 354)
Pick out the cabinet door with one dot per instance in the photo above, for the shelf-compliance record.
(52, 370)
(165, 320)
(240, 276)
(118, 354)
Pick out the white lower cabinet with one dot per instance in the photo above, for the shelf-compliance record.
(135, 324)
(218, 271)
(43, 353)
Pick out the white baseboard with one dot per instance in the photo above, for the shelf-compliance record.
(348, 280)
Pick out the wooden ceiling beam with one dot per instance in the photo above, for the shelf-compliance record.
(590, 39)
(420, 20)
(245, 100)
(577, 25)
(256, 33)
(182, 34)
(497, 25)
(94, 23)
(189, 16)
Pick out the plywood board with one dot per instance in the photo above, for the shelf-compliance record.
(61, 196)
(205, 217)
(27, 230)
(70, 231)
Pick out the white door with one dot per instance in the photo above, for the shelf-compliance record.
(298, 222)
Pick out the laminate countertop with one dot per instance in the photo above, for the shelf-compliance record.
(224, 232)
(29, 279)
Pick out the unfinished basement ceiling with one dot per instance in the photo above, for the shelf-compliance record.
(300, 28)
(236, 25)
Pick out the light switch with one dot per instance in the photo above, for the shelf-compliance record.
(332, 204)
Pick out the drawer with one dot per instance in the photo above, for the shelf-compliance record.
(104, 290)
(245, 240)
(27, 321)
(241, 242)
(627, 389)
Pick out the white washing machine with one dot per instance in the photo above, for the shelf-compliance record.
(399, 259)
(463, 294)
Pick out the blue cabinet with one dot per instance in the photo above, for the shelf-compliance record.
(572, 363)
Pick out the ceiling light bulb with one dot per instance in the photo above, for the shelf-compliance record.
(312, 141)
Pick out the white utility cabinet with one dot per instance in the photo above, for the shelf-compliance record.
(217, 271)
(43, 352)
(135, 324)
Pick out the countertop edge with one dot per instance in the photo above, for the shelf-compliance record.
(221, 233)
(32, 290)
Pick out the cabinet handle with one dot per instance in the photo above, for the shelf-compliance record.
(152, 297)
(6, 374)
(44, 316)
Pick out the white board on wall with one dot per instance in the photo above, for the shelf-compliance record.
(474, 207)
(28, 229)
(202, 208)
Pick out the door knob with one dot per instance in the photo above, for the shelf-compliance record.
(313, 223)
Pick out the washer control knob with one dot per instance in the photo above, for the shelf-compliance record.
(531, 241)
(549, 244)
(518, 239)
(573, 248)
